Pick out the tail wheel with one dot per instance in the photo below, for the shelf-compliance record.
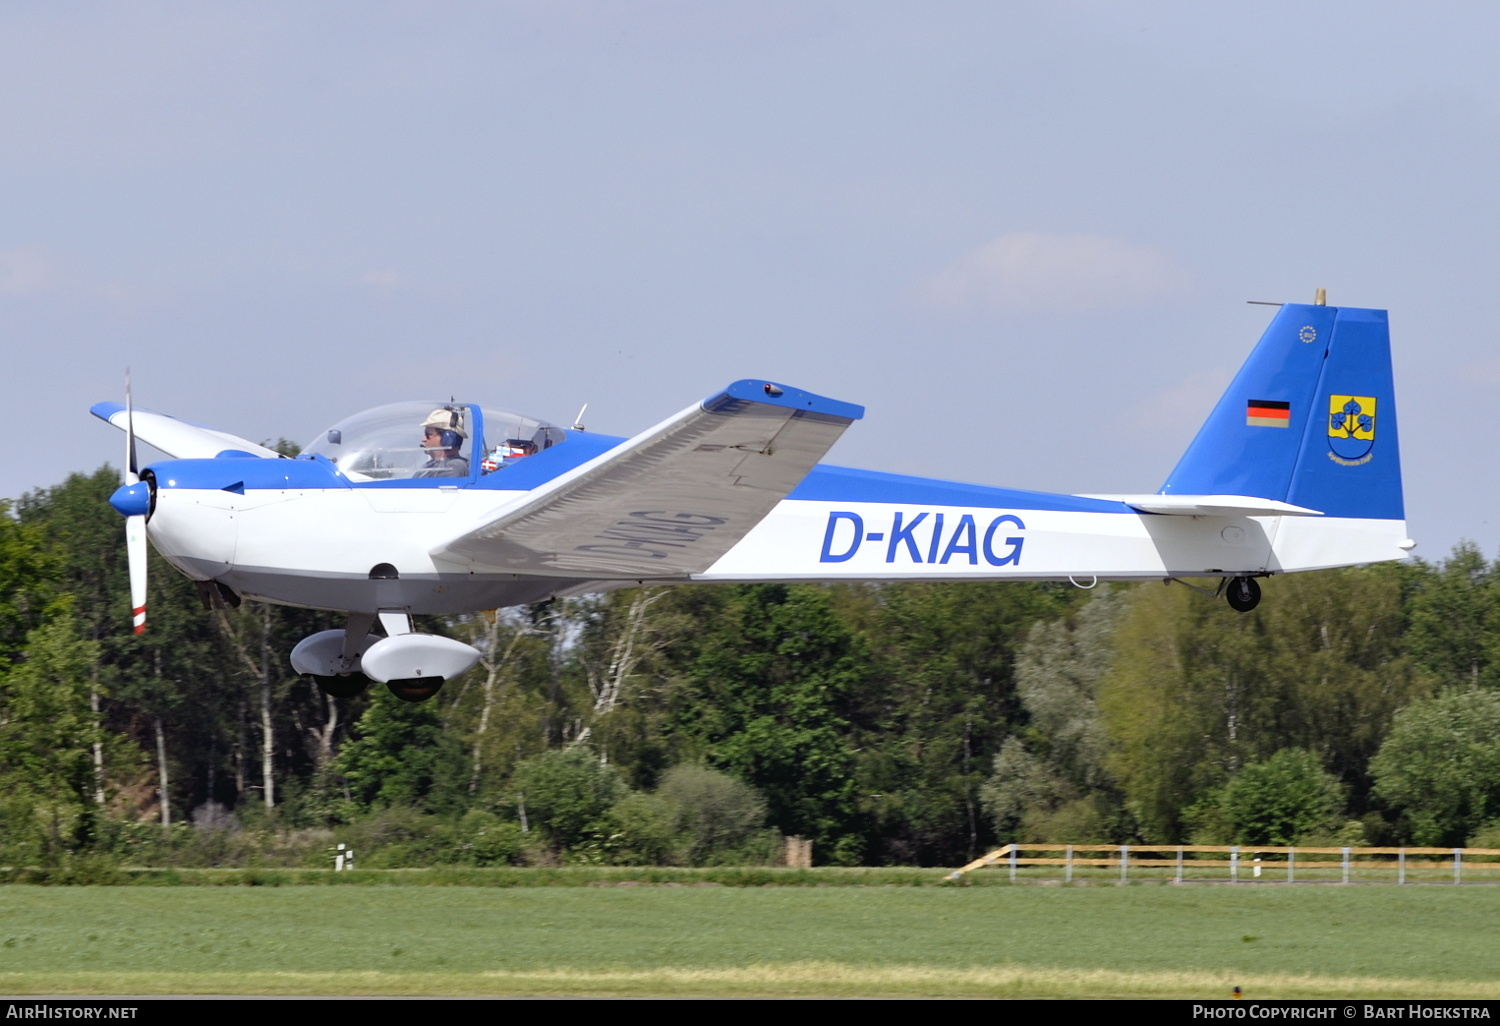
(346, 686)
(415, 689)
(1243, 594)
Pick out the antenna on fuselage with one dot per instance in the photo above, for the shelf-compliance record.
(578, 420)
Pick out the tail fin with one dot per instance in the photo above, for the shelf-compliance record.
(1310, 419)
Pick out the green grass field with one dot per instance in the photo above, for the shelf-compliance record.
(1023, 941)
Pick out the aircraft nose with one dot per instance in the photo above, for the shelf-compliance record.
(132, 500)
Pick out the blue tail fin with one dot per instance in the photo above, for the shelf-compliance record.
(1310, 419)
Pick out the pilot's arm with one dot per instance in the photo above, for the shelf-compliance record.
(453, 466)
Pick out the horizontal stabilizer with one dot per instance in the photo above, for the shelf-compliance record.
(1210, 505)
(177, 438)
(673, 499)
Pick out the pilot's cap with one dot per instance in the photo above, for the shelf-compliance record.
(446, 420)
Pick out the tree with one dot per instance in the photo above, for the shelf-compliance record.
(47, 735)
(1287, 797)
(499, 717)
(28, 576)
(619, 685)
(1455, 619)
(697, 817)
(713, 814)
(773, 671)
(1018, 784)
(1439, 767)
(1050, 781)
(1166, 724)
(940, 701)
(296, 721)
(159, 687)
(402, 755)
(86, 539)
(1335, 669)
(1199, 691)
(566, 793)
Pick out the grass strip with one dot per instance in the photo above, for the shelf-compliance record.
(816, 941)
(104, 874)
(500, 876)
(805, 979)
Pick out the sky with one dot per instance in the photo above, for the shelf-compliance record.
(1023, 235)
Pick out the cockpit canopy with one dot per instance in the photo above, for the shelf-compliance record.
(388, 443)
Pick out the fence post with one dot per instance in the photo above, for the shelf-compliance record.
(1179, 863)
(1346, 865)
(1234, 864)
(1124, 862)
(1401, 865)
(1458, 862)
(1068, 867)
(1291, 865)
(1013, 863)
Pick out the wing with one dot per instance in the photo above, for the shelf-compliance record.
(670, 501)
(178, 438)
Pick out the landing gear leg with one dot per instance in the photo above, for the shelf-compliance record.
(356, 633)
(1243, 594)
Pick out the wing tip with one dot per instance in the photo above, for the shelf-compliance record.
(771, 393)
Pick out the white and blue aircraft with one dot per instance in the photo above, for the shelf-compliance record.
(442, 508)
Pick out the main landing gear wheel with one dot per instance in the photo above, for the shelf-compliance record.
(415, 689)
(346, 686)
(1243, 594)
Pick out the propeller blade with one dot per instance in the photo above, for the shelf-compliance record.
(135, 527)
(135, 551)
(132, 474)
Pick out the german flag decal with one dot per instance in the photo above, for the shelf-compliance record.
(1268, 413)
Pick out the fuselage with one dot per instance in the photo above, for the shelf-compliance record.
(302, 532)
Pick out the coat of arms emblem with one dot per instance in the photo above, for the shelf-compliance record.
(1351, 428)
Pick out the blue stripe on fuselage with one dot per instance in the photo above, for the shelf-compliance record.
(533, 471)
(822, 484)
(309, 472)
(845, 484)
(241, 474)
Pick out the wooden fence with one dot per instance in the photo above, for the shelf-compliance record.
(1180, 862)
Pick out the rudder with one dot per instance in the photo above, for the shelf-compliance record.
(1350, 464)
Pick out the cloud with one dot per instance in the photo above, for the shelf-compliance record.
(384, 280)
(1486, 372)
(1032, 271)
(1184, 405)
(24, 271)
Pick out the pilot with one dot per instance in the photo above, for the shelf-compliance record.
(442, 436)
